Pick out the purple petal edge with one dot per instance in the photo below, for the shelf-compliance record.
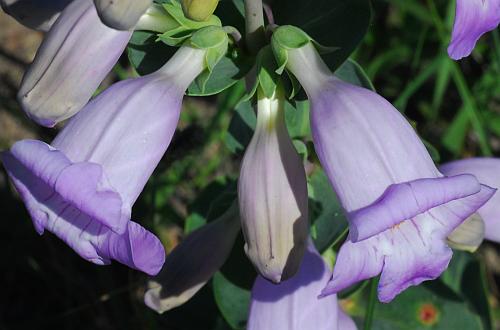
(84, 184)
(408, 254)
(404, 201)
(48, 184)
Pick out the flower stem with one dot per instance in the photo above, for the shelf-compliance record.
(254, 20)
(370, 308)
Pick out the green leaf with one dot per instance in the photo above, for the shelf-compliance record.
(228, 71)
(146, 54)
(325, 213)
(210, 203)
(241, 128)
(233, 301)
(466, 277)
(427, 306)
(297, 119)
(335, 23)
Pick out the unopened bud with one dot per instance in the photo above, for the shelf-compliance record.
(121, 14)
(273, 195)
(469, 235)
(199, 10)
(35, 14)
(193, 262)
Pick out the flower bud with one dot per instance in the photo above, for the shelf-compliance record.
(273, 195)
(72, 61)
(469, 235)
(199, 10)
(35, 14)
(121, 14)
(193, 262)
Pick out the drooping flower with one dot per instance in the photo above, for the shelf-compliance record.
(35, 14)
(74, 58)
(83, 185)
(294, 304)
(122, 14)
(193, 262)
(399, 206)
(473, 18)
(272, 191)
(486, 170)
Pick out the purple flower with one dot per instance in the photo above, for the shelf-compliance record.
(35, 14)
(294, 304)
(72, 61)
(272, 191)
(193, 262)
(486, 170)
(83, 185)
(122, 14)
(473, 18)
(400, 207)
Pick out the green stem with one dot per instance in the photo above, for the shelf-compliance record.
(372, 300)
(254, 22)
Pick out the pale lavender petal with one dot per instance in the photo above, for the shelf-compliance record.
(272, 191)
(345, 322)
(74, 58)
(85, 183)
(193, 262)
(38, 173)
(473, 18)
(122, 14)
(408, 254)
(486, 170)
(405, 200)
(294, 304)
(385, 180)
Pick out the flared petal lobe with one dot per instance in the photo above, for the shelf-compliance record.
(35, 14)
(400, 207)
(294, 304)
(74, 58)
(486, 170)
(272, 192)
(473, 18)
(121, 14)
(76, 203)
(83, 186)
(193, 263)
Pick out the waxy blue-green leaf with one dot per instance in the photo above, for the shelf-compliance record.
(325, 213)
(233, 301)
(466, 277)
(428, 306)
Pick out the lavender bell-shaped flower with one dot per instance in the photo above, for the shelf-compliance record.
(399, 206)
(486, 170)
(35, 14)
(72, 61)
(121, 14)
(294, 304)
(272, 191)
(83, 185)
(193, 263)
(473, 18)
